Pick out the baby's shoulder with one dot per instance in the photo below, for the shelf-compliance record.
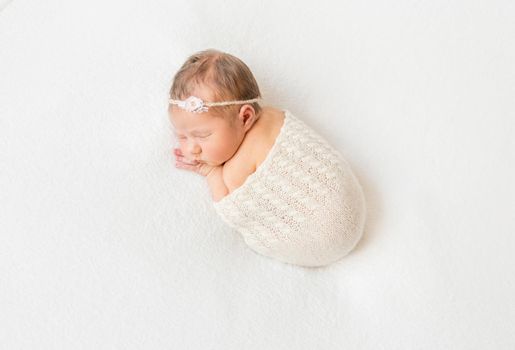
(263, 135)
(255, 147)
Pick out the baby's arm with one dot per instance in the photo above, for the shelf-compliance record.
(213, 174)
(216, 183)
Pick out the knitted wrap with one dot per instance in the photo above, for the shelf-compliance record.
(302, 205)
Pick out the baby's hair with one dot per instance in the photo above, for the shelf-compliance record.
(228, 78)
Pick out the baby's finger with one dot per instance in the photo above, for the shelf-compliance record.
(186, 161)
(186, 166)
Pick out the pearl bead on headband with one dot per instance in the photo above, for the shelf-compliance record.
(196, 105)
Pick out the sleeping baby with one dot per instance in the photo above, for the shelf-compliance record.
(290, 194)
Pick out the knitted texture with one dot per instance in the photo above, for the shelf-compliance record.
(302, 205)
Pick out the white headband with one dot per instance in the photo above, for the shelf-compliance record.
(196, 105)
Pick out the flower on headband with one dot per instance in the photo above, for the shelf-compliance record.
(194, 104)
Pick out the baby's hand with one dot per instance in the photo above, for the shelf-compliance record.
(183, 163)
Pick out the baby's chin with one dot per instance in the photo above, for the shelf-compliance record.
(216, 163)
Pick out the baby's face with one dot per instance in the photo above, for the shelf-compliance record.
(205, 138)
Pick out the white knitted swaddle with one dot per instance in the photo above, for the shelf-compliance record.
(302, 205)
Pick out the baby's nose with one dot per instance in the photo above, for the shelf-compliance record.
(195, 149)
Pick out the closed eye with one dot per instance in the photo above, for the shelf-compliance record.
(182, 137)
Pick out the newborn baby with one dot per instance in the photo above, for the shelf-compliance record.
(274, 179)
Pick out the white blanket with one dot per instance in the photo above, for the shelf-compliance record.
(303, 205)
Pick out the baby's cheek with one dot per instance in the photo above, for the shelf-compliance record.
(226, 151)
(211, 150)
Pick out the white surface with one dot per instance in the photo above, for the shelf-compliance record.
(104, 244)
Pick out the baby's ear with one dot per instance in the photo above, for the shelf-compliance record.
(247, 116)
